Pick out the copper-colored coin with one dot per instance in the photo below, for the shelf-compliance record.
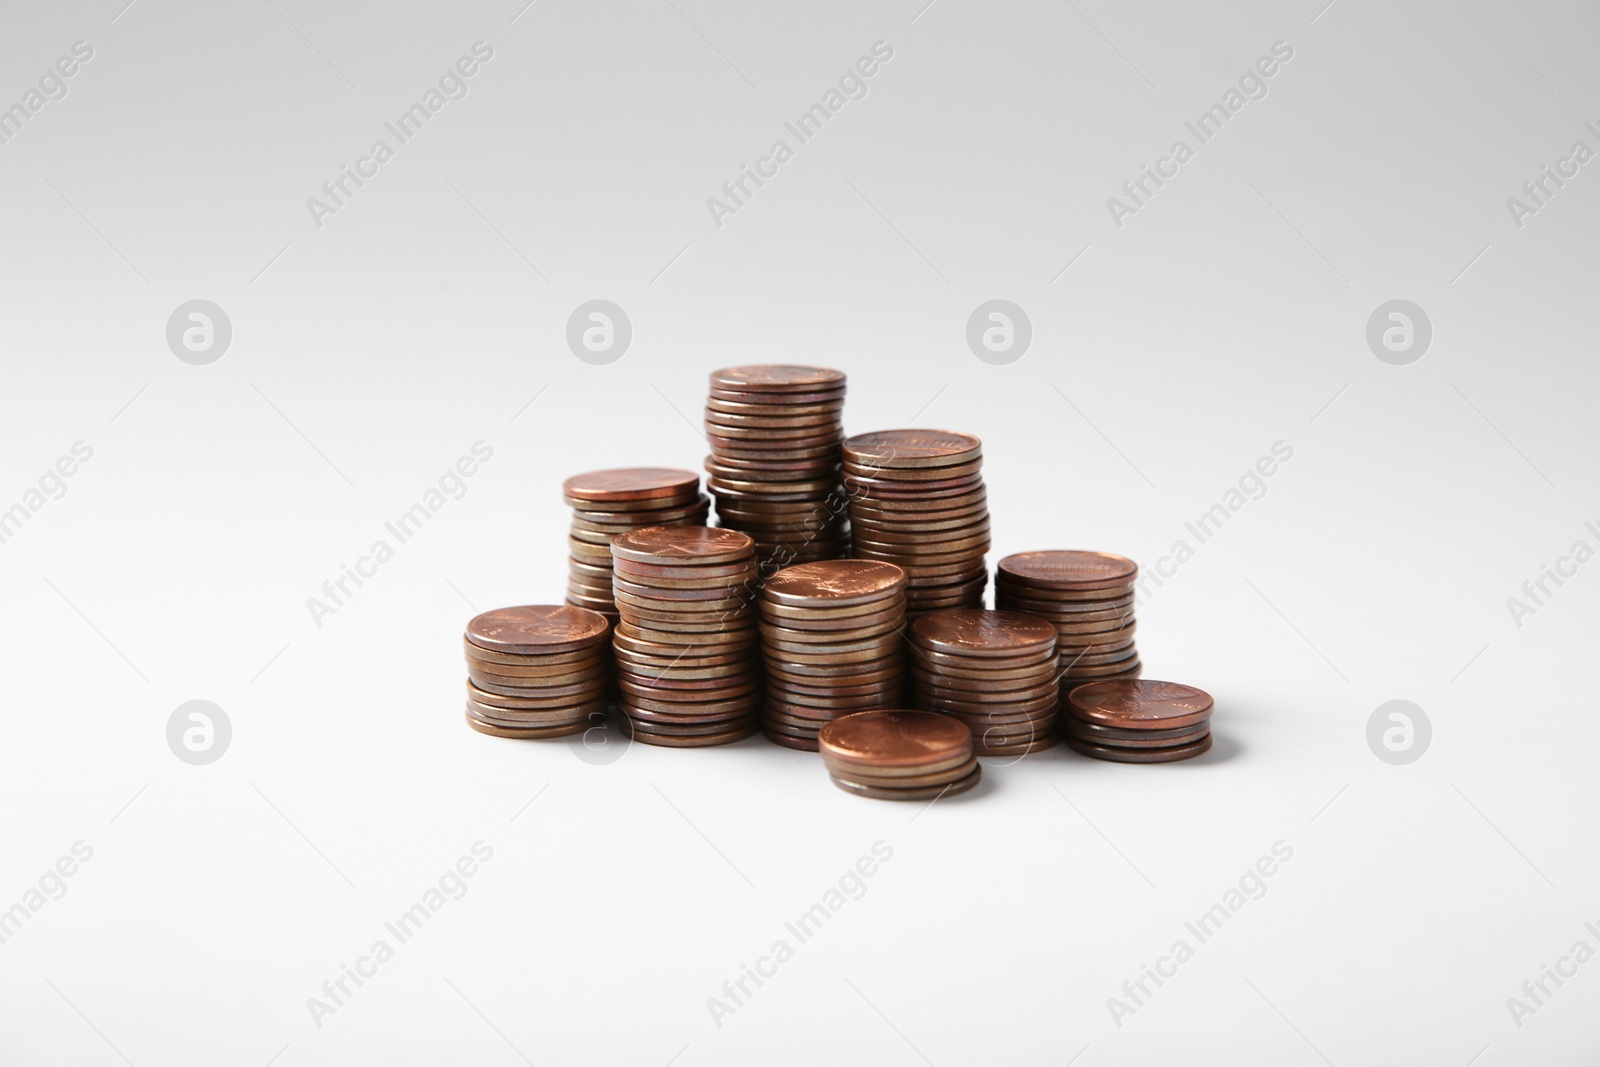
(1069, 569)
(978, 673)
(864, 507)
(552, 694)
(537, 629)
(524, 732)
(935, 661)
(1111, 592)
(724, 640)
(644, 572)
(687, 589)
(1074, 611)
(1100, 735)
(578, 657)
(660, 511)
(773, 405)
(538, 682)
(685, 544)
(777, 377)
(981, 633)
(1134, 703)
(827, 690)
(518, 700)
(631, 483)
(968, 708)
(1019, 691)
(911, 476)
(834, 583)
(912, 448)
(1127, 754)
(821, 395)
(857, 770)
(930, 792)
(895, 738)
(1072, 659)
(862, 777)
(732, 706)
(738, 734)
(1113, 670)
(684, 729)
(1020, 749)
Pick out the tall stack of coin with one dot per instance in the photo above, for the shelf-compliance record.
(774, 432)
(687, 649)
(831, 634)
(1133, 720)
(536, 671)
(607, 503)
(993, 670)
(1088, 596)
(916, 499)
(899, 755)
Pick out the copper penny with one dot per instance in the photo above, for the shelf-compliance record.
(930, 792)
(1126, 754)
(982, 633)
(912, 448)
(537, 629)
(1069, 569)
(777, 377)
(895, 738)
(631, 483)
(682, 544)
(1134, 703)
(522, 733)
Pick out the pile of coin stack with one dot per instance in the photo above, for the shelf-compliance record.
(774, 433)
(831, 636)
(537, 671)
(688, 665)
(1132, 720)
(917, 500)
(899, 755)
(994, 671)
(607, 503)
(1088, 596)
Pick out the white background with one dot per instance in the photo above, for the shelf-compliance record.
(1168, 355)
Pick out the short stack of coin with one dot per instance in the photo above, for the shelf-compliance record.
(538, 671)
(1088, 596)
(774, 432)
(993, 670)
(688, 664)
(916, 499)
(832, 637)
(1134, 720)
(607, 503)
(899, 755)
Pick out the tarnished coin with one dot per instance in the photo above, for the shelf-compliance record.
(685, 544)
(981, 633)
(912, 448)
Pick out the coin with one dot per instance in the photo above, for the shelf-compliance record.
(895, 738)
(1132, 704)
(930, 792)
(983, 634)
(912, 448)
(1140, 755)
(537, 629)
(682, 544)
(631, 483)
(522, 732)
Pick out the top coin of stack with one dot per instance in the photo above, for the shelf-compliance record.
(774, 433)
(831, 636)
(537, 671)
(993, 670)
(1089, 596)
(688, 662)
(917, 500)
(899, 755)
(607, 503)
(1134, 720)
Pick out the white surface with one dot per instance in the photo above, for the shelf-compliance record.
(1220, 319)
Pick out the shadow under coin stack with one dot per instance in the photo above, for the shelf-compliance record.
(607, 503)
(1088, 596)
(536, 671)
(899, 755)
(993, 670)
(774, 433)
(1132, 720)
(831, 636)
(917, 500)
(687, 657)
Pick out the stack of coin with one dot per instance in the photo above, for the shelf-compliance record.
(993, 670)
(687, 656)
(1133, 720)
(916, 499)
(607, 503)
(899, 755)
(1089, 596)
(536, 671)
(774, 433)
(831, 634)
